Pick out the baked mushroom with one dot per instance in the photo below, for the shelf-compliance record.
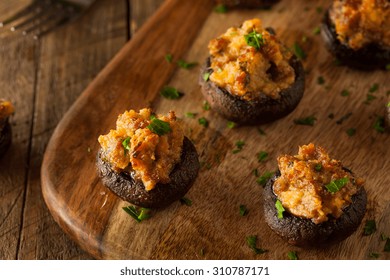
(357, 32)
(147, 160)
(252, 4)
(250, 77)
(6, 110)
(313, 200)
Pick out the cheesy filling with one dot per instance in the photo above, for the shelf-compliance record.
(133, 146)
(301, 188)
(361, 22)
(246, 71)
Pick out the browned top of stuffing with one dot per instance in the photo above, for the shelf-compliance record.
(361, 22)
(151, 156)
(245, 71)
(6, 109)
(301, 186)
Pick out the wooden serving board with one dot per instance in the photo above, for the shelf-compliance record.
(212, 227)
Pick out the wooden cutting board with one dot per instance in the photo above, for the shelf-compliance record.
(212, 227)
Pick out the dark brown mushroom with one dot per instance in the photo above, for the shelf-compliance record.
(302, 231)
(127, 187)
(261, 110)
(369, 57)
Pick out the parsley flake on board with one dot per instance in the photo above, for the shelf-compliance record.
(374, 88)
(191, 115)
(206, 76)
(336, 185)
(319, 9)
(261, 132)
(379, 124)
(369, 98)
(239, 144)
(137, 214)
(320, 80)
(262, 156)
(243, 210)
(251, 241)
(170, 93)
(373, 255)
(168, 57)
(231, 124)
(206, 106)
(256, 172)
(220, 9)
(369, 227)
(186, 201)
(203, 121)
(344, 92)
(292, 255)
(126, 144)
(383, 237)
(310, 120)
(263, 179)
(254, 39)
(158, 126)
(317, 30)
(186, 65)
(280, 208)
(299, 53)
(351, 131)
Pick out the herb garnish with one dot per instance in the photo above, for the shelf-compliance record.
(231, 124)
(379, 124)
(186, 65)
(263, 179)
(243, 210)
(388, 105)
(351, 131)
(320, 80)
(369, 98)
(191, 115)
(336, 185)
(158, 126)
(206, 76)
(292, 255)
(203, 121)
(137, 214)
(383, 237)
(186, 201)
(126, 144)
(261, 132)
(220, 9)
(374, 88)
(168, 57)
(280, 209)
(316, 30)
(306, 121)
(254, 39)
(344, 92)
(343, 118)
(387, 245)
(170, 93)
(239, 144)
(298, 51)
(373, 255)
(251, 241)
(206, 106)
(262, 156)
(318, 167)
(319, 9)
(369, 227)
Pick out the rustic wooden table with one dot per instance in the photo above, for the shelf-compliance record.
(43, 78)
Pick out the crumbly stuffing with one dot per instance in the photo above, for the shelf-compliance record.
(361, 22)
(245, 71)
(150, 156)
(301, 186)
(6, 109)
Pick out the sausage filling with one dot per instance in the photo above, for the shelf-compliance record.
(132, 146)
(246, 71)
(302, 187)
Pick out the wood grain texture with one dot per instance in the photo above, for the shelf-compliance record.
(93, 216)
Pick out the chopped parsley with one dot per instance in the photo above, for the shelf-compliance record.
(126, 144)
(262, 156)
(336, 185)
(206, 76)
(158, 126)
(220, 9)
(343, 118)
(298, 51)
(374, 88)
(231, 124)
(168, 57)
(383, 237)
(379, 124)
(186, 201)
(310, 120)
(320, 80)
(203, 121)
(373, 255)
(263, 179)
(243, 210)
(256, 172)
(292, 255)
(261, 132)
(388, 105)
(369, 98)
(239, 145)
(191, 115)
(344, 92)
(319, 9)
(351, 131)
(387, 245)
(186, 65)
(369, 227)
(251, 241)
(254, 39)
(206, 106)
(137, 214)
(170, 93)
(317, 30)
(279, 208)
(318, 167)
